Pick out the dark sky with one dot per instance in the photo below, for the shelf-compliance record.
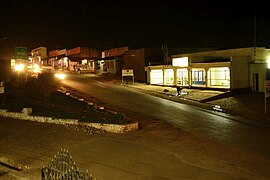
(59, 24)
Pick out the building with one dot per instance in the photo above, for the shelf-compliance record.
(39, 56)
(137, 59)
(111, 61)
(79, 59)
(5, 69)
(233, 69)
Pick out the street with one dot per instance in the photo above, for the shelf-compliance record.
(251, 136)
(175, 141)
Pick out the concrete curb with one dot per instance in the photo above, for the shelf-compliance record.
(114, 128)
(10, 163)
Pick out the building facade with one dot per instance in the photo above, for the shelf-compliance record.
(79, 59)
(232, 69)
(137, 59)
(111, 61)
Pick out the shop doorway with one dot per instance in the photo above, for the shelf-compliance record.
(255, 86)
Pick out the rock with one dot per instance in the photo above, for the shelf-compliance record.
(27, 111)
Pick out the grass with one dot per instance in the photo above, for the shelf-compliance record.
(52, 103)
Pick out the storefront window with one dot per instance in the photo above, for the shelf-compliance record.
(169, 77)
(219, 77)
(198, 77)
(156, 76)
(182, 77)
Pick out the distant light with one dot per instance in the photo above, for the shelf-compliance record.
(36, 66)
(19, 67)
(60, 76)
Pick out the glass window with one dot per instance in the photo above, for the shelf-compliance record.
(219, 77)
(182, 77)
(169, 77)
(156, 76)
(198, 77)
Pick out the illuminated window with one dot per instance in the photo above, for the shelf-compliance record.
(169, 77)
(219, 77)
(156, 76)
(198, 77)
(182, 62)
(182, 77)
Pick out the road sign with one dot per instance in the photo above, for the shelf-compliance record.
(21, 53)
(127, 72)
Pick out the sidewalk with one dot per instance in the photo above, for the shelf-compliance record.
(251, 106)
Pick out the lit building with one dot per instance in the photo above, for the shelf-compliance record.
(241, 69)
(39, 56)
(79, 59)
(110, 61)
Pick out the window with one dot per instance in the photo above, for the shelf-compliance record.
(198, 77)
(182, 77)
(219, 77)
(169, 77)
(156, 76)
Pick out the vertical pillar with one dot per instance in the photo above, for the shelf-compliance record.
(206, 77)
(163, 74)
(175, 76)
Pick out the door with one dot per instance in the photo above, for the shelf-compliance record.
(255, 86)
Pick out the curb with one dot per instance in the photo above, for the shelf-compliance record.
(114, 128)
(11, 164)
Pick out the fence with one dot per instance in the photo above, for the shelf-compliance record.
(63, 167)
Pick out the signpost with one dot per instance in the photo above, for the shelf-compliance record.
(21, 53)
(127, 72)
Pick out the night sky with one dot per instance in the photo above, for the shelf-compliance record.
(58, 24)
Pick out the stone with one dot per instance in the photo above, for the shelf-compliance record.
(27, 111)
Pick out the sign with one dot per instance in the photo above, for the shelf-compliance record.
(116, 51)
(127, 72)
(62, 52)
(21, 53)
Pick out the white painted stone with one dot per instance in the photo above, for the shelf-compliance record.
(27, 111)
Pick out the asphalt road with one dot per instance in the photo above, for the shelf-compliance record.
(193, 148)
(237, 131)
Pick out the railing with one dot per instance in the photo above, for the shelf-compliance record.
(63, 167)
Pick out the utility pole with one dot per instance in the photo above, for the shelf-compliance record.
(166, 59)
(255, 29)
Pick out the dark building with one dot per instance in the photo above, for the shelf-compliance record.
(138, 59)
(5, 69)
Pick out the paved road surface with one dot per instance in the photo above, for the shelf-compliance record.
(157, 151)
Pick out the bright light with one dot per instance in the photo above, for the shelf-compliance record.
(268, 63)
(60, 76)
(182, 62)
(36, 66)
(19, 67)
(156, 76)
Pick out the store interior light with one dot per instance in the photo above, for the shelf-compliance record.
(268, 63)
